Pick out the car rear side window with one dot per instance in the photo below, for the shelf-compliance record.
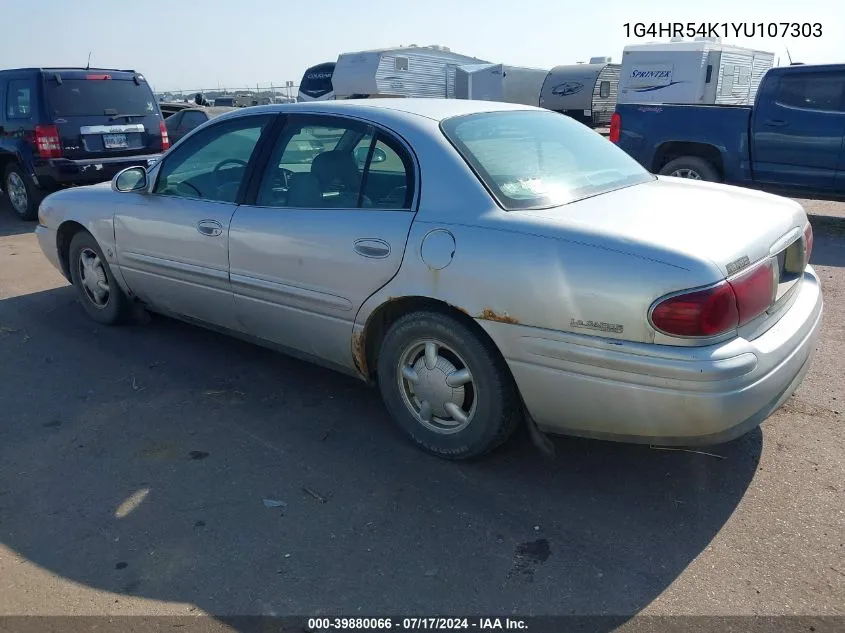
(86, 97)
(192, 119)
(812, 91)
(19, 99)
(333, 163)
(531, 159)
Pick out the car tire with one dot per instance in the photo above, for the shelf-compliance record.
(461, 421)
(24, 196)
(99, 292)
(691, 167)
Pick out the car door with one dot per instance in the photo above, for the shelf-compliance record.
(173, 242)
(798, 126)
(318, 239)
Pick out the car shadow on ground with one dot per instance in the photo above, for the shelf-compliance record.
(10, 224)
(168, 462)
(828, 240)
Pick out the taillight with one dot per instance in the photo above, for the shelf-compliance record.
(699, 313)
(47, 141)
(755, 290)
(716, 310)
(808, 243)
(615, 127)
(165, 139)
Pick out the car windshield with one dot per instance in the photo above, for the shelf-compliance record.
(532, 159)
(85, 97)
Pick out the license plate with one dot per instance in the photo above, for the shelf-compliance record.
(115, 141)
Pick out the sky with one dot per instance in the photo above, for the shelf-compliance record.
(184, 45)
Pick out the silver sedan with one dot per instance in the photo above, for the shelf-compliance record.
(484, 264)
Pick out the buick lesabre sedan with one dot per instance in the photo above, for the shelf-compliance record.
(484, 264)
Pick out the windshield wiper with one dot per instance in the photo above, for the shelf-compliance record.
(123, 116)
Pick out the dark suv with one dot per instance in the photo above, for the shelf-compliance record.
(61, 127)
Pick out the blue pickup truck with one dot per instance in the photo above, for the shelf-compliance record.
(790, 141)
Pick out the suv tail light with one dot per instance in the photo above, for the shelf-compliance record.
(808, 244)
(165, 139)
(716, 310)
(615, 127)
(47, 141)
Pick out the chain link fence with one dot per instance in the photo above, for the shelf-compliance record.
(259, 94)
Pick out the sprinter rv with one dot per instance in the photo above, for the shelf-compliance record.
(703, 71)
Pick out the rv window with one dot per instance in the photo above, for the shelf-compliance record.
(709, 73)
(604, 89)
(400, 63)
(536, 160)
(812, 91)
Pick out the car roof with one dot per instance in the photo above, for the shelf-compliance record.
(435, 109)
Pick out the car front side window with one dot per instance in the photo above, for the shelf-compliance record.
(212, 164)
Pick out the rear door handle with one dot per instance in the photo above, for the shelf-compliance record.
(775, 123)
(372, 247)
(210, 227)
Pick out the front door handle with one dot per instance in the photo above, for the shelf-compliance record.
(775, 123)
(372, 247)
(210, 227)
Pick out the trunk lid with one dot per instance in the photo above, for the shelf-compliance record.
(103, 114)
(671, 219)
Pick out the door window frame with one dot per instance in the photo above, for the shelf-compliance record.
(389, 137)
(254, 163)
(809, 76)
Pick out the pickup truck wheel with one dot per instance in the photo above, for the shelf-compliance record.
(691, 167)
(23, 195)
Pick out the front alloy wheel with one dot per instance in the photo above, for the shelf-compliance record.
(94, 280)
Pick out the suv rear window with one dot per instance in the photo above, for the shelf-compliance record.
(530, 159)
(86, 97)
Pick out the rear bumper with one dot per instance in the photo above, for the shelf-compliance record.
(62, 172)
(592, 387)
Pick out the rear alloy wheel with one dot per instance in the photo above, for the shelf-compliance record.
(691, 167)
(448, 389)
(23, 196)
(101, 296)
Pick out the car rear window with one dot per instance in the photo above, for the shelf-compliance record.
(530, 159)
(86, 97)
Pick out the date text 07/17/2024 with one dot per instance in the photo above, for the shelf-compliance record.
(723, 29)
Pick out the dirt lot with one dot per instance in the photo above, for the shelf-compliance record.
(135, 461)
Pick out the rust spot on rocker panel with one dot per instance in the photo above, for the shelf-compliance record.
(359, 352)
(488, 315)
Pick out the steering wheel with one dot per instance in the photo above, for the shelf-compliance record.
(229, 161)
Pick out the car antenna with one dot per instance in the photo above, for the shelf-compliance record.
(88, 67)
(788, 56)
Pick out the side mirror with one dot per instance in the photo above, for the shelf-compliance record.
(130, 179)
(361, 155)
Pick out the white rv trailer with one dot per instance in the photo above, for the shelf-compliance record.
(702, 71)
(585, 92)
(499, 82)
(316, 83)
(406, 71)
